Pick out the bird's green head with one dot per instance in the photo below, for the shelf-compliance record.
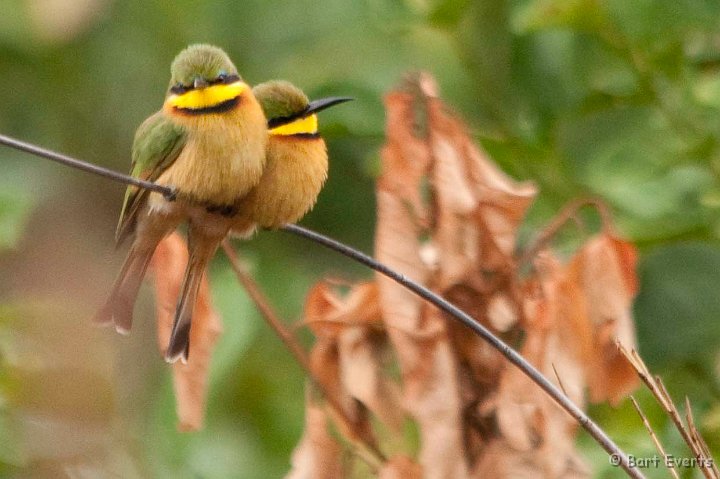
(280, 99)
(199, 65)
(204, 80)
(288, 110)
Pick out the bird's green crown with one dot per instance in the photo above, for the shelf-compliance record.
(201, 62)
(280, 99)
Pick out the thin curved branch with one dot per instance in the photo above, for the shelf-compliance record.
(166, 191)
(366, 449)
(461, 316)
(568, 212)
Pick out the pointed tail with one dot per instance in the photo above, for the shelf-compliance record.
(118, 309)
(200, 254)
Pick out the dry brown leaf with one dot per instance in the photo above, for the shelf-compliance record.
(321, 303)
(318, 455)
(349, 355)
(535, 435)
(400, 467)
(404, 153)
(588, 303)
(475, 210)
(565, 342)
(478, 208)
(428, 367)
(501, 461)
(363, 377)
(502, 313)
(536, 438)
(432, 397)
(401, 211)
(326, 313)
(605, 271)
(325, 365)
(190, 380)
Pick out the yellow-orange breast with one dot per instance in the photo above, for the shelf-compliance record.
(295, 172)
(225, 152)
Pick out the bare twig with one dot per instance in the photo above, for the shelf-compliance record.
(653, 436)
(166, 191)
(366, 449)
(266, 310)
(453, 311)
(568, 212)
(560, 383)
(658, 390)
(692, 429)
(674, 414)
(698, 439)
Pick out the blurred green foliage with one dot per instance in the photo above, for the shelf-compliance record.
(614, 98)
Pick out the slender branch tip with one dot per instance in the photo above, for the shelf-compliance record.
(166, 191)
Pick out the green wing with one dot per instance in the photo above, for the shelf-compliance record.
(158, 143)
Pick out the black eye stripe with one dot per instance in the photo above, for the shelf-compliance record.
(179, 88)
(226, 79)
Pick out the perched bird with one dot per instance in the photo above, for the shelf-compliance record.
(297, 159)
(208, 142)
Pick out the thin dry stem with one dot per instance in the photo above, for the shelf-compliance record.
(653, 436)
(560, 383)
(694, 434)
(690, 435)
(367, 451)
(680, 426)
(699, 439)
(266, 310)
(699, 443)
(568, 213)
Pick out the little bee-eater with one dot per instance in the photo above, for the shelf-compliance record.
(297, 159)
(208, 142)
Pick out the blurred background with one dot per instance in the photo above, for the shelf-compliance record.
(616, 99)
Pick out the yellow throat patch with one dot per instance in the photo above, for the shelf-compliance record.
(207, 97)
(306, 126)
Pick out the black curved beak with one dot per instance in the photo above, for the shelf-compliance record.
(200, 83)
(312, 108)
(323, 103)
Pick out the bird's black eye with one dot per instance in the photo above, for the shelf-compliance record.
(227, 78)
(179, 88)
